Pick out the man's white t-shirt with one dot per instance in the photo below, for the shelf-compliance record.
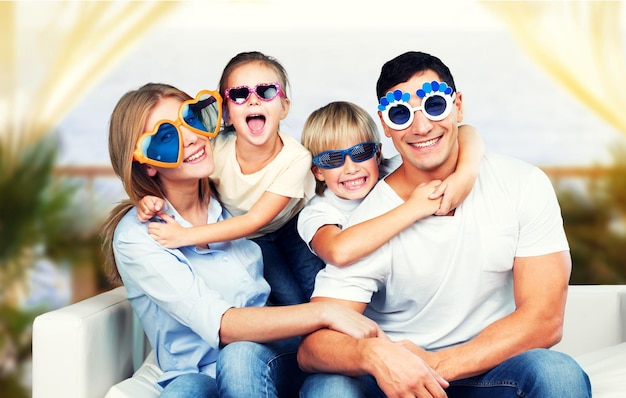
(444, 279)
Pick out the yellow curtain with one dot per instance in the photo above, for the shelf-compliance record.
(51, 53)
(579, 43)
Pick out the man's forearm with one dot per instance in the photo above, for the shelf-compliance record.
(328, 351)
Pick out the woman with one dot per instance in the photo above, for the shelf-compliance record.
(194, 302)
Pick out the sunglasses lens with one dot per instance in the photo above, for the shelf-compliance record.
(267, 91)
(399, 114)
(203, 115)
(363, 151)
(329, 159)
(239, 94)
(435, 105)
(162, 146)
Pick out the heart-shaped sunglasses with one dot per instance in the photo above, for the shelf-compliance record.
(163, 145)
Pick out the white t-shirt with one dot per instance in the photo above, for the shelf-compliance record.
(330, 209)
(444, 279)
(288, 174)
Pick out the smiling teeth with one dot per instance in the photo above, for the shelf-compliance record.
(194, 157)
(354, 183)
(426, 143)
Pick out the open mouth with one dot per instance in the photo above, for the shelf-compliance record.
(195, 156)
(255, 122)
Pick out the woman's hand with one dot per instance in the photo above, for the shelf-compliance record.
(346, 320)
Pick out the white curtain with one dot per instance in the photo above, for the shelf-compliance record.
(579, 43)
(51, 53)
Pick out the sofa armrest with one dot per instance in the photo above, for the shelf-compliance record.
(83, 349)
(595, 317)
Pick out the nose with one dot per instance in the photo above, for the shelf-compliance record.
(189, 137)
(349, 165)
(421, 124)
(253, 99)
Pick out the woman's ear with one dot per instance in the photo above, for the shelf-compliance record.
(317, 173)
(150, 171)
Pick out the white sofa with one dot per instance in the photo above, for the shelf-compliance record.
(96, 348)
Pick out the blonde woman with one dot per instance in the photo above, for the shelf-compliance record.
(202, 307)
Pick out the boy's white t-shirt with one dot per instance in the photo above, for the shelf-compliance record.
(444, 279)
(288, 174)
(330, 209)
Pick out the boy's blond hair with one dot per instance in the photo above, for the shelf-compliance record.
(332, 126)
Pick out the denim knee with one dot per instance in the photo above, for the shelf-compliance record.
(191, 385)
(534, 373)
(324, 385)
(554, 373)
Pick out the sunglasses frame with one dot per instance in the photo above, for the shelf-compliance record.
(398, 98)
(279, 92)
(138, 153)
(345, 152)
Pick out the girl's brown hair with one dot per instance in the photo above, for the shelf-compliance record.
(125, 127)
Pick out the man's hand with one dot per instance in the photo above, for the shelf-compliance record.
(401, 373)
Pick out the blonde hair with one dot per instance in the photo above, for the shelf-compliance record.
(125, 127)
(332, 126)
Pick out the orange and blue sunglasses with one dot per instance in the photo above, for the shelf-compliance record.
(264, 91)
(163, 146)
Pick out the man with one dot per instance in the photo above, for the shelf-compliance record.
(470, 301)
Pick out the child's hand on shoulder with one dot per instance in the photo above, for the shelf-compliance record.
(148, 207)
(425, 197)
(168, 233)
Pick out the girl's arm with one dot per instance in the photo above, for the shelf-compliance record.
(343, 247)
(171, 235)
(148, 207)
(458, 185)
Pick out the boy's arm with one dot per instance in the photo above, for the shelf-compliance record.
(458, 185)
(343, 247)
(170, 234)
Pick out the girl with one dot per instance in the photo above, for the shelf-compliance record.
(262, 176)
(345, 176)
(196, 303)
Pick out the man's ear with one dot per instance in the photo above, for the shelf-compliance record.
(383, 124)
(317, 173)
(459, 107)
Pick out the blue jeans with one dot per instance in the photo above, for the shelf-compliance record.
(191, 385)
(288, 265)
(246, 369)
(536, 373)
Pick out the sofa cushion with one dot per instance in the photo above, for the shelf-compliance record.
(606, 368)
(142, 384)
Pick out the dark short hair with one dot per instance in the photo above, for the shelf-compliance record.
(404, 66)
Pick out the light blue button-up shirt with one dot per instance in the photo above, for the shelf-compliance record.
(181, 294)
